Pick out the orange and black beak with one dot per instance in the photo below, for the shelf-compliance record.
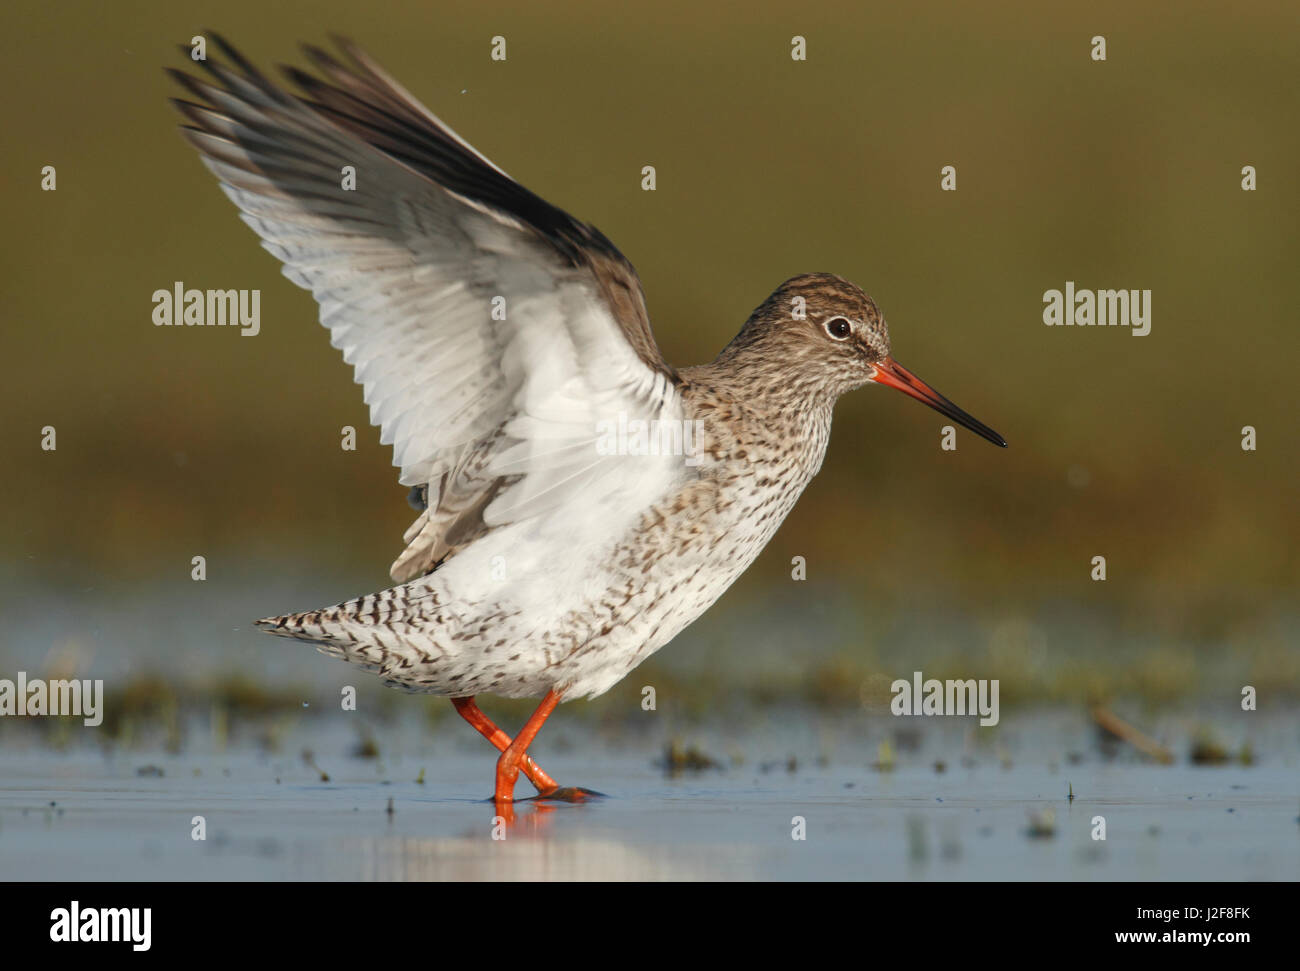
(893, 375)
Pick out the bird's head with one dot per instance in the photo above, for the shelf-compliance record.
(823, 336)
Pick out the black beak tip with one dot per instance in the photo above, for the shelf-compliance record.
(988, 434)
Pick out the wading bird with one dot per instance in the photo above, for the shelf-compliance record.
(499, 341)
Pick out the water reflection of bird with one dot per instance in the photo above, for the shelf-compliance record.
(582, 501)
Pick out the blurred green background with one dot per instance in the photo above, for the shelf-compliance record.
(1122, 174)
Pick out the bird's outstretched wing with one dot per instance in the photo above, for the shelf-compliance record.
(414, 269)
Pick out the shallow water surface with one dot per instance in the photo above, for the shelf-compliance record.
(991, 813)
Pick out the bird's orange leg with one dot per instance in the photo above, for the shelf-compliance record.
(516, 753)
(471, 712)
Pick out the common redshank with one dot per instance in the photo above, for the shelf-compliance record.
(580, 500)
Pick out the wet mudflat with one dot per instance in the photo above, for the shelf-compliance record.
(871, 802)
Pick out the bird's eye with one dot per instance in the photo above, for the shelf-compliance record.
(839, 328)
